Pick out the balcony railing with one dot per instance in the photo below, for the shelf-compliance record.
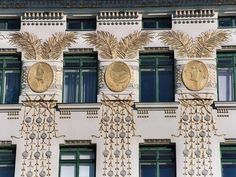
(109, 3)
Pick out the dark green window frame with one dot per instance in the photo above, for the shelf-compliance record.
(7, 161)
(9, 64)
(227, 60)
(88, 24)
(157, 23)
(227, 22)
(228, 159)
(80, 64)
(157, 158)
(73, 157)
(158, 63)
(10, 24)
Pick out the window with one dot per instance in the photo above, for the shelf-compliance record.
(228, 160)
(156, 77)
(157, 23)
(80, 79)
(157, 161)
(9, 24)
(81, 24)
(225, 22)
(77, 162)
(226, 66)
(9, 78)
(7, 161)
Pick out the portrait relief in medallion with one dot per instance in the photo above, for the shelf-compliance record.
(117, 76)
(195, 75)
(40, 77)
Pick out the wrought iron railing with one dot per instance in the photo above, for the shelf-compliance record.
(109, 3)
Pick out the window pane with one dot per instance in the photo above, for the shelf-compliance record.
(148, 85)
(164, 23)
(86, 170)
(149, 155)
(167, 170)
(229, 170)
(148, 170)
(71, 86)
(73, 24)
(7, 170)
(2, 25)
(225, 22)
(166, 85)
(225, 84)
(149, 23)
(68, 170)
(12, 91)
(13, 24)
(89, 24)
(68, 157)
(89, 86)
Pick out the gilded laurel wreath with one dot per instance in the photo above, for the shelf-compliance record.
(35, 48)
(203, 46)
(126, 48)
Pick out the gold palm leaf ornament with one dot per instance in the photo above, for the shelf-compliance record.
(35, 49)
(203, 46)
(126, 48)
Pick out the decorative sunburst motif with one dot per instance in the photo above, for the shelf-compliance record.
(186, 46)
(111, 48)
(35, 49)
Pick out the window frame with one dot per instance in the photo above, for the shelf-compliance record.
(231, 18)
(4, 59)
(158, 162)
(232, 66)
(80, 58)
(82, 23)
(12, 153)
(157, 21)
(227, 147)
(157, 68)
(76, 150)
(6, 24)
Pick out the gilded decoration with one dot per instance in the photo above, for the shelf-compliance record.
(186, 46)
(195, 75)
(117, 127)
(36, 49)
(38, 129)
(110, 48)
(197, 126)
(40, 77)
(117, 76)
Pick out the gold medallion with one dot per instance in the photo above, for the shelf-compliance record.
(40, 77)
(195, 75)
(117, 76)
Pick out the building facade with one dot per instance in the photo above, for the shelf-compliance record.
(117, 88)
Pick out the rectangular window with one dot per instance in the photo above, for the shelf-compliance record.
(77, 161)
(226, 68)
(228, 160)
(9, 78)
(81, 24)
(9, 24)
(157, 23)
(157, 161)
(225, 22)
(80, 79)
(156, 77)
(7, 162)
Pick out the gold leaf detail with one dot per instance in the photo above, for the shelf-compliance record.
(103, 41)
(203, 46)
(126, 48)
(53, 47)
(27, 42)
(34, 48)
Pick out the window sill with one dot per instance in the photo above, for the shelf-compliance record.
(10, 107)
(78, 107)
(229, 105)
(160, 106)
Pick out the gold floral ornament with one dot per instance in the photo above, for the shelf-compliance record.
(186, 46)
(111, 48)
(35, 49)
